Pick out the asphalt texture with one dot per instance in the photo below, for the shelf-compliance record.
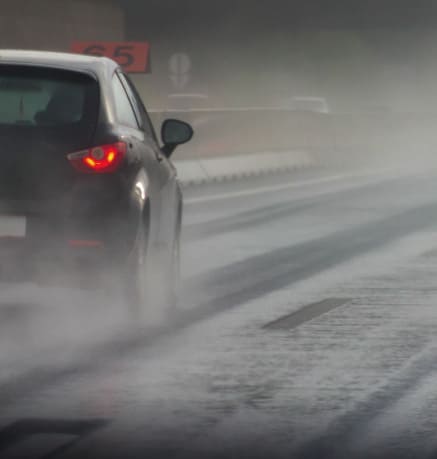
(306, 327)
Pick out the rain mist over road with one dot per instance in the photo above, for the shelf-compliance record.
(306, 320)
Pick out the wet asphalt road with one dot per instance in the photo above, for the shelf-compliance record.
(306, 328)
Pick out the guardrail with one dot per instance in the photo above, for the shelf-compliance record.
(197, 171)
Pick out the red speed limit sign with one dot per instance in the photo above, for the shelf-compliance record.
(134, 57)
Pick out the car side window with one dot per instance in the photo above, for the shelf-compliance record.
(124, 110)
(139, 106)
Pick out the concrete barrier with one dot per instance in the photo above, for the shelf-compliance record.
(198, 171)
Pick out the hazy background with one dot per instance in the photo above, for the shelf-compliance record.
(373, 62)
(257, 52)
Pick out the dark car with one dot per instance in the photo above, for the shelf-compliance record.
(85, 187)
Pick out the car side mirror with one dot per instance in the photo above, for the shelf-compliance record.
(174, 133)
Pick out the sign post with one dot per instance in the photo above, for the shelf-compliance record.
(180, 67)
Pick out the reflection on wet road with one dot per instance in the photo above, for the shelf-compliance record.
(306, 326)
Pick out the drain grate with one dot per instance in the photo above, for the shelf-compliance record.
(307, 313)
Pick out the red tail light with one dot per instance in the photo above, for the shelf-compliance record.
(100, 160)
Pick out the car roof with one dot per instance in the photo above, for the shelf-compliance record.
(69, 61)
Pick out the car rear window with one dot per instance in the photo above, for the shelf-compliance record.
(47, 98)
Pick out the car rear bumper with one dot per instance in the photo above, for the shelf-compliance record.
(56, 243)
(21, 260)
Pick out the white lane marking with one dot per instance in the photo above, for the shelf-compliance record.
(268, 189)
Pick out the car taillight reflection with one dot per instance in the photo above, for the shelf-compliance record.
(102, 159)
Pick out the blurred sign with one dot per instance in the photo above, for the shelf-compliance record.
(179, 66)
(134, 57)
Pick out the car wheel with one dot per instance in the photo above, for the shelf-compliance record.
(135, 284)
(175, 274)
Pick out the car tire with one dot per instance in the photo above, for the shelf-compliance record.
(174, 276)
(153, 288)
(135, 278)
